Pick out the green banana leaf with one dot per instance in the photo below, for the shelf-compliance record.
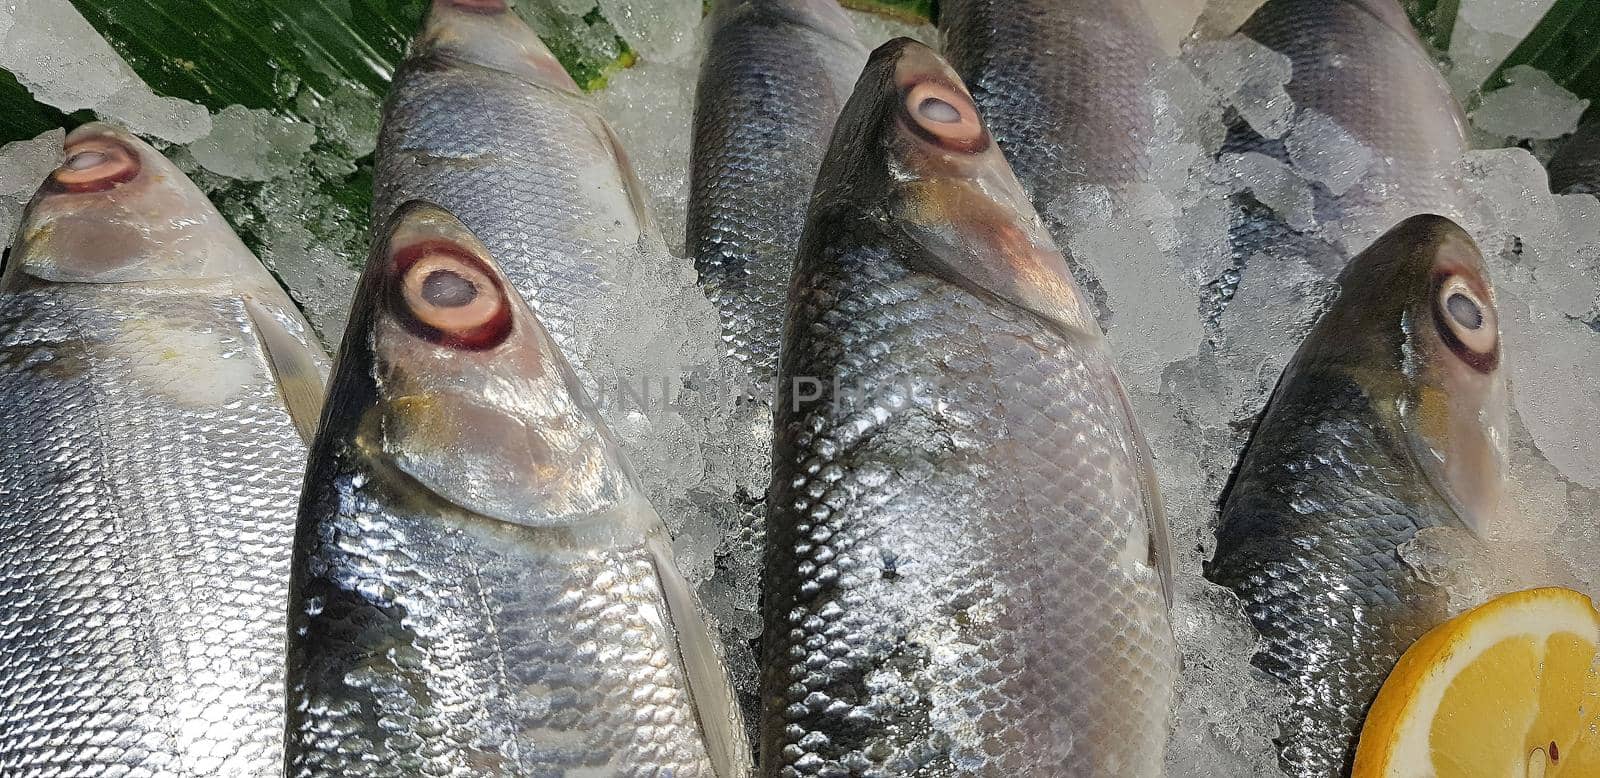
(1565, 44)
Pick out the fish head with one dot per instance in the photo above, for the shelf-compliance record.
(488, 34)
(1416, 326)
(911, 150)
(447, 378)
(117, 211)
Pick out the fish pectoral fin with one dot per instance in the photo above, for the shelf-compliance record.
(710, 693)
(301, 377)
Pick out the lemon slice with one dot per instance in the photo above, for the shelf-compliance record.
(1509, 689)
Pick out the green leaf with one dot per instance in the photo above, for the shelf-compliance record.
(1435, 20)
(20, 116)
(1565, 44)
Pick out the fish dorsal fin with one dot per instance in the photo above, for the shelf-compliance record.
(720, 722)
(301, 377)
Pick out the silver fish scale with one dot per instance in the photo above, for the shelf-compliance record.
(947, 591)
(447, 644)
(1062, 86)
(772, 84)
(144, 555)
(532, 173)
(769, 92)
(1310, 538)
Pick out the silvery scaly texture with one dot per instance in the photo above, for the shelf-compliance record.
(155, 377)
(964, 576)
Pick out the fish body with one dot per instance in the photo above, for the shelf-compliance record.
(775, 75)
(1064, 88)
(1575, 168)
(479, 586)
(482, 120)
(1360, 65)
(157, 383)
(1390, 419)
(964, 573)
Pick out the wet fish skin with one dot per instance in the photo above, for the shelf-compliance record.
(775, 75)
(1575, 168)
(964, 572)
(154, 377)
(479, 586)
(1064, 87)
(1380, 427)
(482, 120)
(1361, 64)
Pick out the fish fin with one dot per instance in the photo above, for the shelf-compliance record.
(720, 721)
(638, 200)
(1155, 516)
(301, 377)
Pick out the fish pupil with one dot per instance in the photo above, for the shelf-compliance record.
(84, 160)
(446, 289)
(1465, 311)
(934, 109)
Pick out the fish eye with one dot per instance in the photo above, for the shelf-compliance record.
(450, 297)
(1466, 321)
(95, 165)
(945, 115)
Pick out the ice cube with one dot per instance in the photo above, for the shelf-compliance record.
(1485, 32)
(253, 144)
(1531, 105)
(1321, 150)
(659, 30)
(1149, 327)
(23, 167)
(1250, 77)
(64, 62)
(1274, 185)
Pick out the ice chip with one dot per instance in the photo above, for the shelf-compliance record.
(1321, 150)
(659, 30)
(253, 144)
(1531, 105)
(64, 62)
(1250, 77)
(1485, 32)
(23, 166)
(1274, 185)
(1147, 330)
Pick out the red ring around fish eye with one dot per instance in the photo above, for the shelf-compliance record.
(445, 294)
(96, 164)
(944, 115)
(478, 6)
(1466, 320)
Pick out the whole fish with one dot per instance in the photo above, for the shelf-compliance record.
(1575, 168)
(966, 556)
(775, 75)
(1063, 85)
(1391, 418)
(157, 384)
(480, 587)
(484, 121)
(1360, 65)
